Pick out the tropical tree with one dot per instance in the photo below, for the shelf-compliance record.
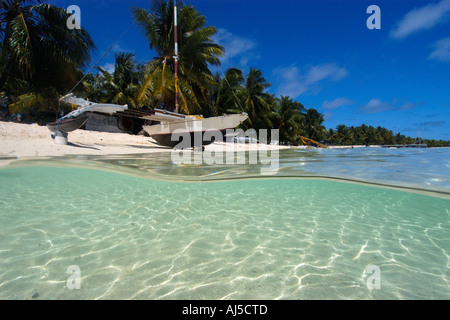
(343, 135)
(400, 138)
(331, 136)
(225, 92)
(361, 134)
(37, 106)
(120, 87)
(372, 136)
(38, 51)
(197, 52)
(312, 125)
(385, 136)
(256, 102)
(289, 117)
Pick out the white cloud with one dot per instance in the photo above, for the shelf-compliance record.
(294, 84)
(336, 103)
(238, 50)
(441, 50)
(328, 115)
(290, 83)
(376, 105)
(109, 67)
(408, 106)
(118, 48)
(421, 18)
(324, 71)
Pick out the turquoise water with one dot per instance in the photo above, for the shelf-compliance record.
(141, 227)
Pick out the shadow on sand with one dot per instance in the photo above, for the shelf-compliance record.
(81, 146)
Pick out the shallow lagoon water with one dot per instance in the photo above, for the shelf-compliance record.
(141, 227)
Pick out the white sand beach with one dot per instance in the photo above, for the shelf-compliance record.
(19, 141)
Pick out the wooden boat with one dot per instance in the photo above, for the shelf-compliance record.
(67, 125)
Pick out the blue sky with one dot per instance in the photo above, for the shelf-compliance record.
(320, 53)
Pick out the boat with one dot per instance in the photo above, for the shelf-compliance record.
(174, 127)
(67, 125)
(77, 118)
(89, 106)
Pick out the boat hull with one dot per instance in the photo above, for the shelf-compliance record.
(67, 125)
(194, 139)
(174, 134)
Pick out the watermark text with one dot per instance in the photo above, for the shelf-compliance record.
(74, 21)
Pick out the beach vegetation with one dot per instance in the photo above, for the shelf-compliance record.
(289, 120)
(119, 86)
(197, 53)
(312, 125)
(253, 99)
(225, 90)
(40, 56)
(38, 51)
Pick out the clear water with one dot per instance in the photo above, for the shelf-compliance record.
(141, 227)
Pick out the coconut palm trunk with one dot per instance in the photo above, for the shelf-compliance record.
(197, 51)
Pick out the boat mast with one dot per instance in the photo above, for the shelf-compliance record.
(176, 54)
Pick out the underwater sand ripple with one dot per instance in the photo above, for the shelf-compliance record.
(243, 239)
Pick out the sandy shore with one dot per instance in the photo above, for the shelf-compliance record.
(19, 140)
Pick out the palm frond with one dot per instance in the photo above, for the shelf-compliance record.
(197, 53)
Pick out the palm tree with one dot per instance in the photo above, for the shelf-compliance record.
(343, 135)
(38, 48)
(225, 92)
(372, 136)
(312, 124)
(360, 134)
(385, 136)
(331, 136)
(289, 115)
(120, 87)
(256, 102)
(197, 53)
(400, 138)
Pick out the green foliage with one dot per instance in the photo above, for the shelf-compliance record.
(197, 53)
(38, 48)
(369, 135)
(237, 94)
(34, 105)
(120, 87)
(312, 125)
(39, 54)
(224, 93)
(431, 143)
(289, 116)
